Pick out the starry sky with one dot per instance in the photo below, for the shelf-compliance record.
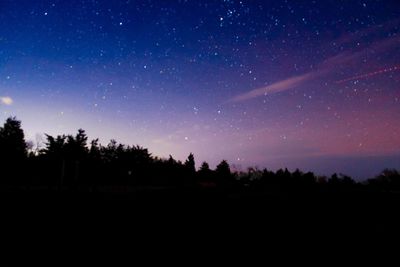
(313, 85)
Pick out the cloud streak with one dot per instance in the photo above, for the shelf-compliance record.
(326, 67)
(295, 81)
(6, 100)
(280, 86)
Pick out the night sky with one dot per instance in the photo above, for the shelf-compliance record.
(313, 85)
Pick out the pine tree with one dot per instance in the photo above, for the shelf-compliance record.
(12, 141)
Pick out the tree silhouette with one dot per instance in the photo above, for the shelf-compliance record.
(223, 168)
(204, 168)
(12, 141)
(223, 172)
(190, 171)
(55, 147)
(206, 175)
(68, 162)
(13, 151)
(388, 179)
(76, 146)
(94, 151)
(190, 164)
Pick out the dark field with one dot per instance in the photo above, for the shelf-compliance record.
(208, 214)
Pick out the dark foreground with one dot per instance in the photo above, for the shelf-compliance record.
(203, 214)
(194, 225)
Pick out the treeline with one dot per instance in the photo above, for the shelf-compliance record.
(71, 162)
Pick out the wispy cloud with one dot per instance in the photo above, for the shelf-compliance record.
(280, 86)
(328, 66)
(295, 81)
(6, 100)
